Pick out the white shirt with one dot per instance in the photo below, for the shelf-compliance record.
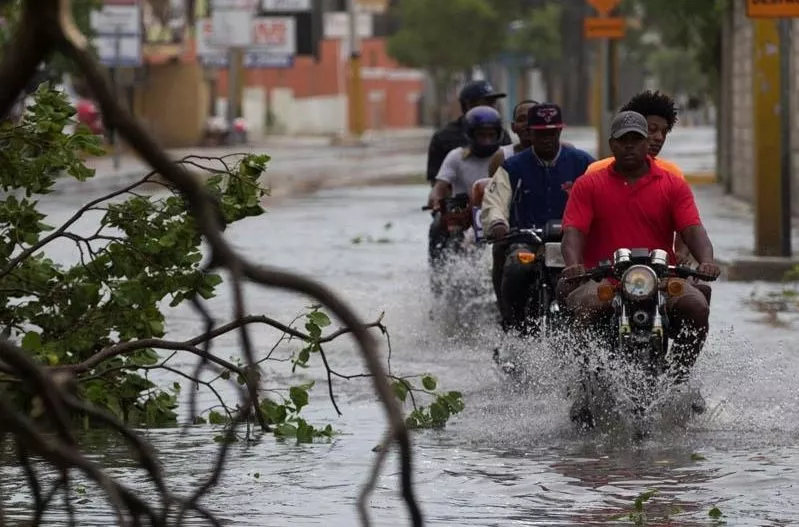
(461, 169)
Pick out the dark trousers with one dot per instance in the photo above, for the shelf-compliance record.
(514, 286)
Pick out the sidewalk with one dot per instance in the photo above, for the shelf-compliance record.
(730, 223)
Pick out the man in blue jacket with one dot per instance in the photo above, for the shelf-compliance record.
(527, 191)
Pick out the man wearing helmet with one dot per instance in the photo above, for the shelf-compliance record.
(527, 191)
(473, 94)
(462, 167)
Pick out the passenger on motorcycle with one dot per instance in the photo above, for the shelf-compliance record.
(519, 127)
(660, 111)
(635, 203)
(461, 168)
(453, 135)
(527, 191)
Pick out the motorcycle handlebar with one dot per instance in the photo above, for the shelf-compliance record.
(522, 235)
(679, 271)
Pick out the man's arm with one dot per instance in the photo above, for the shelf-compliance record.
(444, 178)
(435, 157)
(697, 240)
(496, 202)
(681, 251)
(496, 161)
(572, 246)
(440, 190)
(577, 219)
(687, 222)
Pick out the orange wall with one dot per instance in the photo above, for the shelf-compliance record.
(329, 76)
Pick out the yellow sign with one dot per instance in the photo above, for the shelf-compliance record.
(373, 6)
(604, 7)
(601, 27)
(772, 8)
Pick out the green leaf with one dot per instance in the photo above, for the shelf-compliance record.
(305, 432)
(698, 457)
(299, 397)
(223, 438)
(715, 513)
(319, 318)
(32, 341)
(400, 390)
(429, 382)
(286, 430)
(216, 418)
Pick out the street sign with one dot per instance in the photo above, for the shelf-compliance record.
(604, 7)
(337, 25)
(373, 6)
(272, 44)
(285, 5)
(210, 56)
(274, 35)
(232, 20)
(601, 27)
(118, 39)
(772, 8)
(254, 59)
(111, 17)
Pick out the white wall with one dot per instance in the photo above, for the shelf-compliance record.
(310, 115)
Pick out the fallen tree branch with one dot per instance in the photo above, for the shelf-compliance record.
(47, 26)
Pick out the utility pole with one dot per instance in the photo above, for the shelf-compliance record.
(606, 27)
(785, 135)
(356, 97)
(771, 102)
(117, 157)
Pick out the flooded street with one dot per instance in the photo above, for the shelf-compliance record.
(512, 457)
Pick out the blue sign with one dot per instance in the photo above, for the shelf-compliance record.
(254, 59)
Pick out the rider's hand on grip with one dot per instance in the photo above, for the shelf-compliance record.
(709, 269)
(499, 231)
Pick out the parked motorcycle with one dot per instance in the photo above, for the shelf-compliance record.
(637, 334)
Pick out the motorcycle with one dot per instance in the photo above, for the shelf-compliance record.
(637, 284)
(538, 253)
(456, 273)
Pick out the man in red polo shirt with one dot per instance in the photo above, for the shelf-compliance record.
(634, 203)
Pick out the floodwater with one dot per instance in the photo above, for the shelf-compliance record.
(512, 457)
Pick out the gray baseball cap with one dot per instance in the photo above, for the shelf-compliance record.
(626, 122)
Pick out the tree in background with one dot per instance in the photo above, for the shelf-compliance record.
(690, 26)
(539, 36)
(446, 38)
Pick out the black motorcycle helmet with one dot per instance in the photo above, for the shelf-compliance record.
(477, 91)
(481, 118)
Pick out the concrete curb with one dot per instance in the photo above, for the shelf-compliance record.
(701, 178)
(757, 268)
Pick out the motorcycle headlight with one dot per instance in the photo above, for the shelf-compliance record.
(639, 282)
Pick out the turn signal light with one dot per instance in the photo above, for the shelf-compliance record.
(526, 257)
(675, 287)
(606, 292)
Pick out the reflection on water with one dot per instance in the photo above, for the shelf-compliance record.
(512, 458)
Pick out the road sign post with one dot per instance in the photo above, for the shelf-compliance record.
(771, 86)
(605, 28)
(118, 29)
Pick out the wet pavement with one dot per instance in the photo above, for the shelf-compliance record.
(512, 458)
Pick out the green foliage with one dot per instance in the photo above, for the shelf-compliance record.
(447, 37)
(692, 26)
(539, 35)
(102, 312)
(145, 250)
(11, 13)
